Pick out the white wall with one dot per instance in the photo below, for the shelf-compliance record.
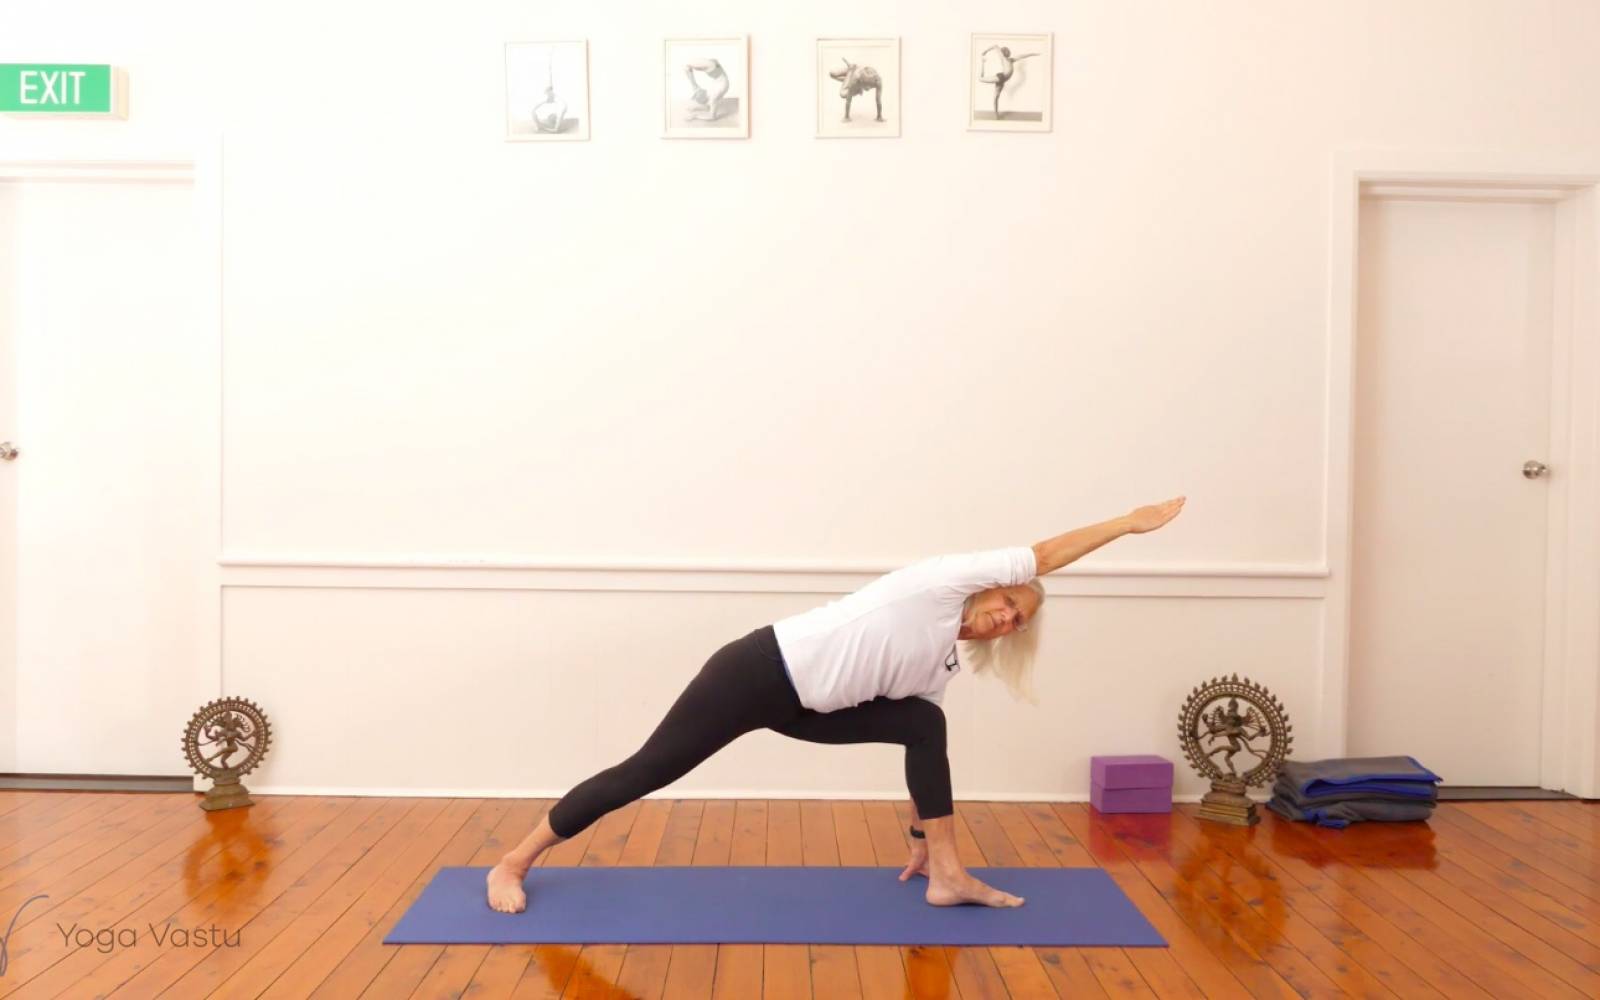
(780, 352)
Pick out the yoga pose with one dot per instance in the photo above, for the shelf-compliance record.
(1008, 68)
(857, 80)
(551, 113)
(870, 667)
(707, 104)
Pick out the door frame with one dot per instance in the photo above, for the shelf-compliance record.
(67, 154)
(1569, 755)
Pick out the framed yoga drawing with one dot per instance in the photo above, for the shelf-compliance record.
(1010, 83)
(858, 88)
(547, 90)
(706, 88)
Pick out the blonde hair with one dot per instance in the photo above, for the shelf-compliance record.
(1009, 657)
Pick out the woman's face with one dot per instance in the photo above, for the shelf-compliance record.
(1000, 611)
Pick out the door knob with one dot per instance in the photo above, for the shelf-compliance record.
(7, 452)
(1533, 470)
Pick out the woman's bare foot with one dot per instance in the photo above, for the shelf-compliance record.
(948, 890)
(505, 889)
(505, 879)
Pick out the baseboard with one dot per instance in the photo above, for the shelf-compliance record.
(161, 783)
(1498, 794)
(672, 794)
(96, 783)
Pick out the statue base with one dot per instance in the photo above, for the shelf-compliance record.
(226, 795)
(1227, 803)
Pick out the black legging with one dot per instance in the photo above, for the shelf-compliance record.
(742, 688)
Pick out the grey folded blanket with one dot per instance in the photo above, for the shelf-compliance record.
(1285, 789)
(1341, 814)
(1347, 790)
(1340, 775)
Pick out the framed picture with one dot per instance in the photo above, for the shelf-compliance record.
(706, 88)
(1010, 83)
(547, 91)
(858, 88)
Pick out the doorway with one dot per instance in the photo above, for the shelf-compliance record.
(108, 396)
(1456, 303)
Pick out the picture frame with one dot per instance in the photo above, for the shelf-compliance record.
(1010, 83)
(705, 91)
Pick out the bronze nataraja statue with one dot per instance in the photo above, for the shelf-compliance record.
(217, 735)
(1212, 722)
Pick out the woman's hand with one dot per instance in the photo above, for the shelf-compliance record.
(918, 865)
(1150, 518)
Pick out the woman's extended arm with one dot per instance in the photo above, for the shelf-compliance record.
(1054, 553)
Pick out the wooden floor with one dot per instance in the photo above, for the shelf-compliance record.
(292, 897)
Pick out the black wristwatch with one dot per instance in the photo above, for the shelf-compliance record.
(918, 834)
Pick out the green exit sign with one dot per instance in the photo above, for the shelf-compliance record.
(60, 89)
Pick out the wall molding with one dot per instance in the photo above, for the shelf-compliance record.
(98, 171)
(875, 567)
(645, 575)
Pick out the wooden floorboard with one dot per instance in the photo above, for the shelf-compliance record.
(292, 898)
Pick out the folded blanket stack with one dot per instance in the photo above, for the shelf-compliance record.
(1348, 790)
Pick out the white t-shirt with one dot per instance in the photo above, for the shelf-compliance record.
(895, 637)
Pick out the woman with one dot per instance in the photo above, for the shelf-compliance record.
(857, 80)
(870, 667)
(707, 104)
(1008, 69)
(550, 114)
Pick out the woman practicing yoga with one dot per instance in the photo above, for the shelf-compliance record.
(870, 667)
(707, 104)
(1008, 69)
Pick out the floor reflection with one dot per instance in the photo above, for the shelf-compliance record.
(1145, 831)
(1223, 858)
(928, 972)
(1393, 845)
(565, 971)
(236, 848)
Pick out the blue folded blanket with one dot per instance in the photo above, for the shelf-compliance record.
(1346, 775)
(1339, 815)
(1290, 793)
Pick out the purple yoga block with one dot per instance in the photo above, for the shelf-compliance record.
(1130, 800)
(1138, 771)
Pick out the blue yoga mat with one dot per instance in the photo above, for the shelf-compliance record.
(734, 905)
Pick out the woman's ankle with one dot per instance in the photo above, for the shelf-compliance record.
(946, 869)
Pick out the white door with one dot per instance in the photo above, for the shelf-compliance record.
(1448, 563)
(108, 393)
(8, 485)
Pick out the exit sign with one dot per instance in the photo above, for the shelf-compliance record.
(61, 89)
